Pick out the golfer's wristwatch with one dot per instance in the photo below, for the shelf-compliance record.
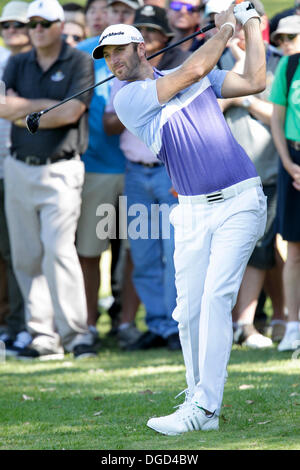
(247, 101)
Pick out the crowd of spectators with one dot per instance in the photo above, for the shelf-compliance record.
(83, 184)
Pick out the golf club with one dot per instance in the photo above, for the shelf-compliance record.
(33, 119)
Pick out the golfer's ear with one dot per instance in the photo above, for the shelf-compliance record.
(141, 49)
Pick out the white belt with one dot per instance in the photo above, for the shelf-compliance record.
(220, 196)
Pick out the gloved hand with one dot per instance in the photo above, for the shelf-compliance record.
(244, 11)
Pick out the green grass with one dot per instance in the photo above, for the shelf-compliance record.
(104, 403)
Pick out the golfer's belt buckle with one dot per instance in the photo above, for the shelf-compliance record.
(32, 160)
(218, 196)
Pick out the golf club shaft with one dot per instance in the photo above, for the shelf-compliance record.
(167, 48)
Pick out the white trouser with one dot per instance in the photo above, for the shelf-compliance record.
(42, 206)
(213, 243)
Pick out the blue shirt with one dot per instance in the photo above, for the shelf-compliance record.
(103, 154)
(188, 133)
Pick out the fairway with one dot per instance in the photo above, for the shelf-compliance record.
(104, 403)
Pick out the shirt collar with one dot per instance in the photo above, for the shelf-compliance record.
(65, 53)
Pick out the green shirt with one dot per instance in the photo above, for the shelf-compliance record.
(291, 102)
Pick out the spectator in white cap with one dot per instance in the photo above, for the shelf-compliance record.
(13, 26)
(287, 34)
(14, 33)
(295, 10)
(212, 7)
(122, 11)
(286, 134)
(216, 6)
(49, 174)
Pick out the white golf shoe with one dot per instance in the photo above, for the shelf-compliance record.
(189, 417)
(290, 341)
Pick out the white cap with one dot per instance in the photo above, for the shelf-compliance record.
(117, 34)
(287, 25)
(50, 10)
(216, 6)
(15, 11)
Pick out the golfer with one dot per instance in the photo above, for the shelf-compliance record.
(222, 209)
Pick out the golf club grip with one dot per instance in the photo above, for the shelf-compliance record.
(196, 33)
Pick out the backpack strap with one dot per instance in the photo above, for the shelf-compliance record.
(292, 65)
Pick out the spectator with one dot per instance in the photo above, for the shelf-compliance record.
(104, 177)
(147, 182)
(74, 25)
(46, 169)
(184, 19)
(249, 120)
(15, 37)
(276, 18)
(122, 11)
(73, 33)
(286, 134)
(95, 17)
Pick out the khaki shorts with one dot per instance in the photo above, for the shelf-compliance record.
(98, 189)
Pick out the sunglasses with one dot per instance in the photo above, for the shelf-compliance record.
(178, 6)
(286, 37)
(75, 37)
(12, 24)
(44, 24)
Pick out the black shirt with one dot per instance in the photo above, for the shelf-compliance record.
(72, 72)
(173, 58)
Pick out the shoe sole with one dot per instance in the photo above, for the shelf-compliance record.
(164, 432)
(207, 427)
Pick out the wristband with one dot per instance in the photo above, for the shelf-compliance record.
(230, 24)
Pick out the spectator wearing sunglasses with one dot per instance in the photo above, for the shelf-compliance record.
(287, 35)
(49, 175)
(185, 18)
(274, 21)
(15, 38)
(286, 134)
(74, 25)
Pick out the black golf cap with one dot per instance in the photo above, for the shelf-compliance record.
(153, 17)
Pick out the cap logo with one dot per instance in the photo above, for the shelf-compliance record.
(41, 5)
(148, 10)
(111, 34)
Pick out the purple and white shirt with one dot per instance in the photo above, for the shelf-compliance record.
(189, 133)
